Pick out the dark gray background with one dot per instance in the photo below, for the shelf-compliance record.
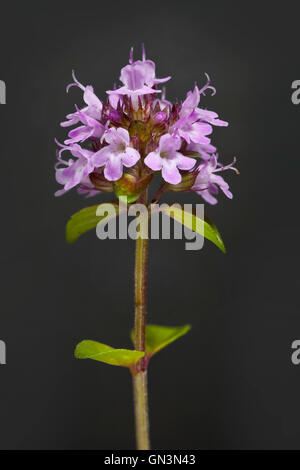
(230, 383)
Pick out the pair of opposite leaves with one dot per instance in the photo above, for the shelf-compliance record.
(157, 337)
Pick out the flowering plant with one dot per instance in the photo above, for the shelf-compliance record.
(118, 147)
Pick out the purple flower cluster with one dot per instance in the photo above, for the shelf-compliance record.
(138, 132)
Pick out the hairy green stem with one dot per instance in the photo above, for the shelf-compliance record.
(140, 374)
(141, 411)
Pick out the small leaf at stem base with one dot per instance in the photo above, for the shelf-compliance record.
(158, 337)
(89, 349)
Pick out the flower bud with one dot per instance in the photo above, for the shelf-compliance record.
(159, 117)
(115, 116)
(131, 186)
(186, 183)
(140, 129)
(100, 182)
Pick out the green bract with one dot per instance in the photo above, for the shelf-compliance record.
(131, 186)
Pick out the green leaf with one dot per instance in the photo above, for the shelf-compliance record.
(84, 220)
(158, 337)
(89, 349)
(190, 220)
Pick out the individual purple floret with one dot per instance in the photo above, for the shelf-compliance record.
(138, 78)
(207, 182)
(73, 171)
(167, 159)
(116, 154)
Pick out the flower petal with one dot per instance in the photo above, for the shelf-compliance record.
(91, 99)
(113, 169)
(169, 143)
(123, 135)
(208, 197)
(101, 157)
(185, 163)
(79, 134)
(154, 161)
(170, 172)
(130, 157)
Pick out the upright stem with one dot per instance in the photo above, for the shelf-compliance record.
(140, 373)
(141, 411)
(140, 280)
